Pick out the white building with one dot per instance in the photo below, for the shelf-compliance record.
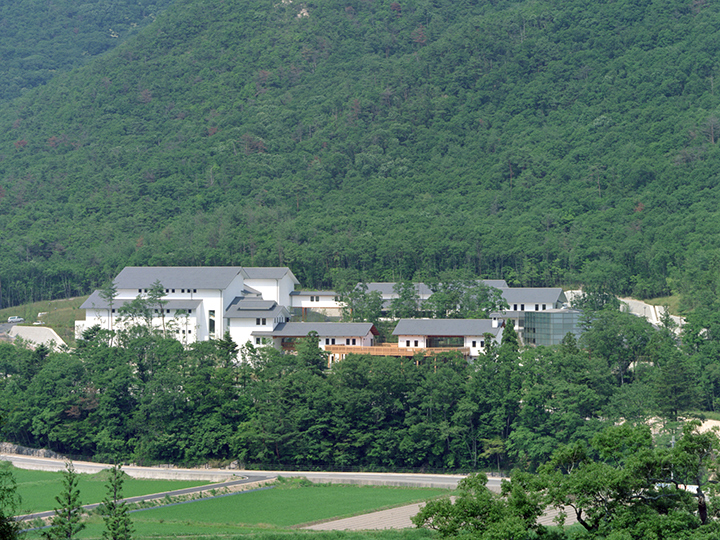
(467, 334)
(199, 303)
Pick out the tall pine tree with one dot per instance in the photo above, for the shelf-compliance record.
(66, 522)
(114, 510)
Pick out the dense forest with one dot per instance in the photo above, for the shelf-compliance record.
(139, 396)
(543, 142)
(39, 39)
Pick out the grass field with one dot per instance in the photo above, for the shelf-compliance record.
(39, 488)
(672, 302)
(263, 512)
(60, 315)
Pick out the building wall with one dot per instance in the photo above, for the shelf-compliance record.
(550, 327)
(403, 342)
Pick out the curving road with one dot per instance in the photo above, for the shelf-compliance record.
(220, 475)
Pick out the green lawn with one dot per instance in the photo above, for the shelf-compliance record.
(39, 488)
(261, 512)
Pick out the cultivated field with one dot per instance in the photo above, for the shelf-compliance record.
(38, 489)
(268, 513)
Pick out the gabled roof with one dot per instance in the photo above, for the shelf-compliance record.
(251, 308)
(530, 295)
(444, 327)
(95, 301)
(388, 289)
(298, 329)
(176, 277)
(269, 272)
(314, 293)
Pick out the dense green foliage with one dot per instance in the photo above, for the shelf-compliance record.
(39, 39)
(543, 142)
(145, 398)
(623, 485)
(9, 503)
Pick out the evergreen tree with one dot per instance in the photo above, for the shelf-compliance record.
(114, 510)
(9, 500)
(66, 522)
(509, 337)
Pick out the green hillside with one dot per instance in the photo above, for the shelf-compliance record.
(38, 39)
(543, 142)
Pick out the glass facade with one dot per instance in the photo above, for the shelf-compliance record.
(551, 326)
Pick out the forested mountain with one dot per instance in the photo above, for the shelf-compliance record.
(543, 142)
(40, 38)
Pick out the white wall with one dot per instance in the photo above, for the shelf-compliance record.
(402, 342)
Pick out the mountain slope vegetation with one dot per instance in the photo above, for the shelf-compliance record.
(543, 142)
(38, 39)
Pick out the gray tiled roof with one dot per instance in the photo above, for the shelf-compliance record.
(269, 272)
(251, 308)
(250, 291)
(444, 327)
(323, 329)
(95, 301)
(388, 289)
(530, 295)
(175, 277)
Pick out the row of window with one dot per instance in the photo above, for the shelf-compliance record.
(260, 322)
(169, 290)
(183, 332)
(522, 307)
(348, 341)
(416, 343)
(166, 311)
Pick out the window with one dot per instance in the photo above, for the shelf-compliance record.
(167, 311)
(194, 290)
(257, 321)
(537, 307)
(514, 307)
(407, 343)
(167, 291)
(145, 290)
(287, 319)
(354, 341)
(474, 344)
(139, 290)
(257, 341)
(327, 341)
(211, 321)
(189, 311)
(544, 306)
(189, 332)
(182, 290)
(416, 342)
(177, 331)
(113, 310)
(482, 343)
(264, 322)
(522, 307)
(332, 341)
(347, 341)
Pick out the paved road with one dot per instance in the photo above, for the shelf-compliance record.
(219, 475)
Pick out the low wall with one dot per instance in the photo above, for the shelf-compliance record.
(9, 448)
